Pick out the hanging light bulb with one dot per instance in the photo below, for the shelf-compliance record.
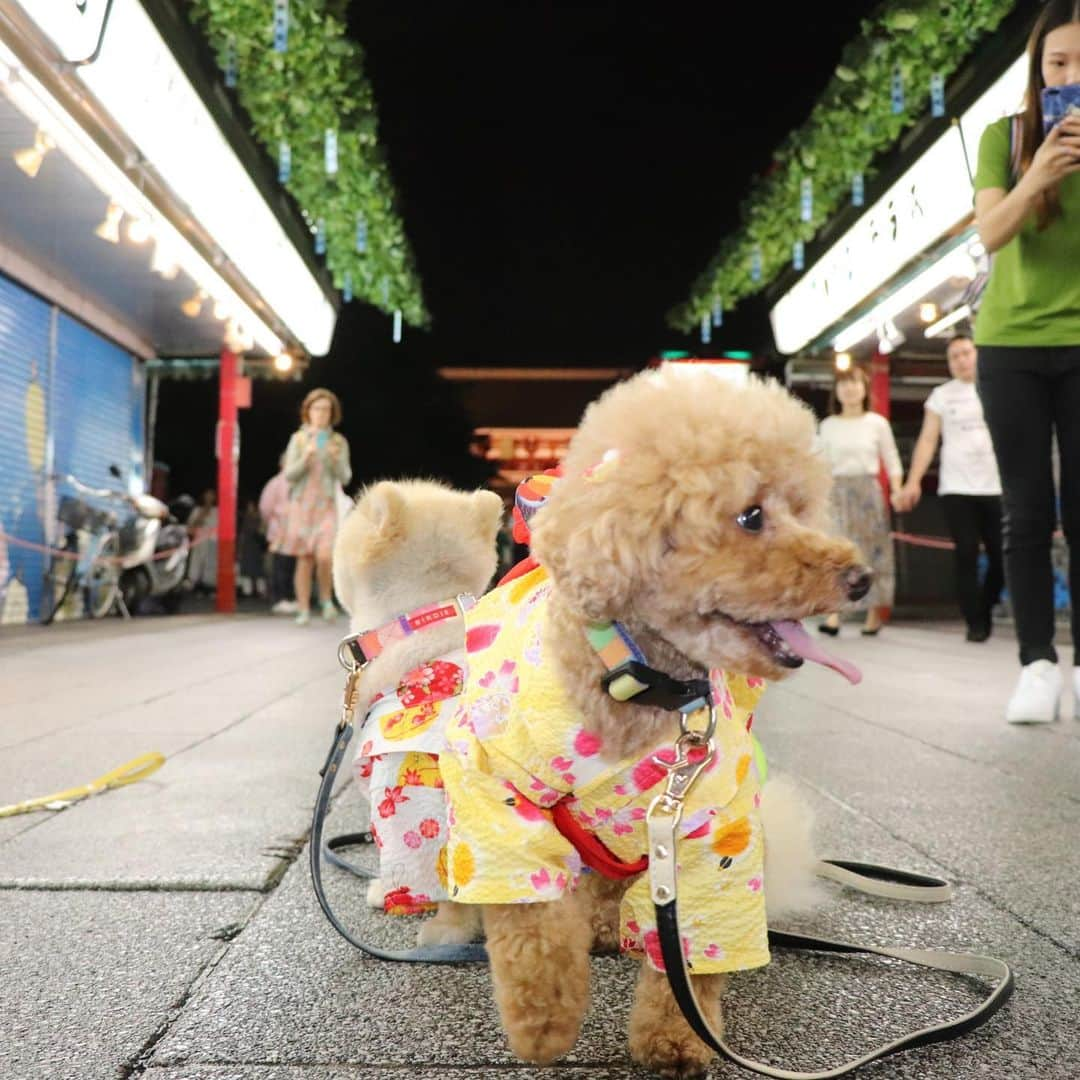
(843, 361)
(30, 159)
(928, 312)
(192, 306)
(139, 230)
(283, 362)
(163, 263)
(109, 229)
(221, 310)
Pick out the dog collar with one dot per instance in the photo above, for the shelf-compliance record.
(629, 677)
(358, 650)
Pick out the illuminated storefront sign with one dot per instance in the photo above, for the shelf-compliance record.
(932, 197)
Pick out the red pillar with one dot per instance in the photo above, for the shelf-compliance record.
(879, 403)
(879, 384)
(228, 459)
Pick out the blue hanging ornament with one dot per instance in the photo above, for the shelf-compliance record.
(718, 312)
(706, 328)
(806, 199)
(858, 190)
(230, 62)
(320, 237)
(330, 152)
(346, 288)
(361, 234)
(798, 255)
(386, 292)
(897, 92)
(284, 162)
(397, 327)
(755, 264)
(937, 94)
(281, 26)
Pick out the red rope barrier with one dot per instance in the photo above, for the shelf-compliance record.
(75, 556)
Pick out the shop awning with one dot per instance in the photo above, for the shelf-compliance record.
(133, 204)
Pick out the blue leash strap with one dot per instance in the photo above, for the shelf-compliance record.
(420, 954)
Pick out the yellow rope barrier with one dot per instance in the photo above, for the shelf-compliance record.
(137, 769)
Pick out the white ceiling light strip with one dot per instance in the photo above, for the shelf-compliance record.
(958, 263)
(139, 83)
(47, 114)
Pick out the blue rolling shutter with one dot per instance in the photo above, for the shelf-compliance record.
(24, 452)
(96, 389)
(70, 402)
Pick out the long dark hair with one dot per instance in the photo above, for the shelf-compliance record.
(1055, 13)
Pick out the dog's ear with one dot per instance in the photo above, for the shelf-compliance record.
(582, 541)
(487, 512)
(384, 508)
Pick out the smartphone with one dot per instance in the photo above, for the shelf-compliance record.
(321, 439)
(1059, 102)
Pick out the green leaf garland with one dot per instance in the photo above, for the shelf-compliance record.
(849, 126)
(294, 98)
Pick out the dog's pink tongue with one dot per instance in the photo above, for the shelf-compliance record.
(799, 641)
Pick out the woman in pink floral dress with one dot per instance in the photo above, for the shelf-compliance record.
(316, 466)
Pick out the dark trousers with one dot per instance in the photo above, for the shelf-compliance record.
(282, 569)
(975, 520)
(1028, 395)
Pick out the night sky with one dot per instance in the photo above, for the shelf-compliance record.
(564, 172)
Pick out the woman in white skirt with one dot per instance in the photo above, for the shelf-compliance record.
(856, 442)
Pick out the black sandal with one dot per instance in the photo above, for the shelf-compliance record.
(825, 628)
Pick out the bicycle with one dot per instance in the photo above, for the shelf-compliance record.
(87, 555)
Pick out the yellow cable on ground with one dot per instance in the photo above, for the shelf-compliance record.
(136, 769)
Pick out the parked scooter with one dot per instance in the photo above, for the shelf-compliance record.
(154, 549)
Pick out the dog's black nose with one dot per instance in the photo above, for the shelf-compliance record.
(857, 582)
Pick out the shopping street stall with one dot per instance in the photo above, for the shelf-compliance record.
(146, 221)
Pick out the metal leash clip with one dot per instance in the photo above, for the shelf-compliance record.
(348, 701)
(665, 811)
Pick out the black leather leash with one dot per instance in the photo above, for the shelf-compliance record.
(663, 817)
(661, 822)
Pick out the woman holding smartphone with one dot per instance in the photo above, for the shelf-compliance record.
(1028, 335)
(316, 465)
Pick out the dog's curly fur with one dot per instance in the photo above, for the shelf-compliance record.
(650, 538)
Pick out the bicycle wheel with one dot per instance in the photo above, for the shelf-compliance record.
(103, 577)
(59, 581)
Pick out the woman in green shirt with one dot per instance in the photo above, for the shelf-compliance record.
(1027, 205)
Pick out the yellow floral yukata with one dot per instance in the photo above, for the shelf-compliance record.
(516, 746)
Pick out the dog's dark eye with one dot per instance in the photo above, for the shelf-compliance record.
(752, 519)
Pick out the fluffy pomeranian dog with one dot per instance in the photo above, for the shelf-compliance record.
(406, 544)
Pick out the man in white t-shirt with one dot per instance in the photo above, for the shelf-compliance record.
(968, 483)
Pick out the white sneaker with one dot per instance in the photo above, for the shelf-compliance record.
(284, 607)
(1035, 699)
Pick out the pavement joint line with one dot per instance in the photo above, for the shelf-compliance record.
(957, 878)
(33, 885)
(904, 733)
(137, 1065)
(365, 1068)
(227, 936)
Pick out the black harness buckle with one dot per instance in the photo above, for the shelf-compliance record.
(661, 690)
